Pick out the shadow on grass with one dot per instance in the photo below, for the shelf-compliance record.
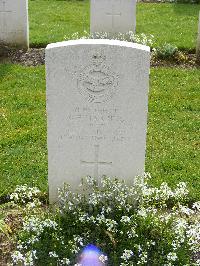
(39, 45)
(5, 68)
(183, 9)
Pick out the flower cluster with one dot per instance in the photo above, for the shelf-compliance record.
(145, 39)
(132, 224)
(26, 196)
(22, 194)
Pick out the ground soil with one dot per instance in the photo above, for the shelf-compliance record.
(32, 57)
(13, 221)
(36, 56)
(190, 61)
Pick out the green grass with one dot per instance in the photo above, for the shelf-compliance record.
(23, 127)
(172, 143)
(172, 23)
(51, 21)
(173, 128)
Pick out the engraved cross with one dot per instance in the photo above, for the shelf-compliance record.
(113, 14)
(3, 13)
(96, 162)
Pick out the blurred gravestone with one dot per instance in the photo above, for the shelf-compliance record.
(112, 16)
(14, 23)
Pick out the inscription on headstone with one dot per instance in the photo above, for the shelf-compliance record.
(97, 110)
(96, 163)
(14, 22)
(96, 82)
(112, 16)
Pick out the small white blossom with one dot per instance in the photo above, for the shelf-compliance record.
(127, 254)
(125, 219)
(17, 257)
(172, 257)
(64, 261)
(196, 206)
(103, 258)
(53, 254)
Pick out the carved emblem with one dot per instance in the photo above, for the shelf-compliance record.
(96, 82)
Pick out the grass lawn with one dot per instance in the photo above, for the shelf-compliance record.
(23, 130)
(51, 21)
(172, 129)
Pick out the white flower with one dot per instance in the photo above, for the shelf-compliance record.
(52, 254)
(172, 256)
(196, 206)
(180, 225)
(181, 190)
(17, 256)
(132, 233)
(30, 257)
(193, 235)
(90, 180)
(78, 240)
(197, 263)
(143, 258)
(103, 258)
(127, 254)
(185, 210)
(65, 261)
(142, 212)
(111, 225)
(125, 219)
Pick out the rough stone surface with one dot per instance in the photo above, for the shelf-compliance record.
(14, 22)
(97, 97)
(112, 16)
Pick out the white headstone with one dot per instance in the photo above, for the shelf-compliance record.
(97, 97)
(198, 41)
(14, 22)
(112, 16)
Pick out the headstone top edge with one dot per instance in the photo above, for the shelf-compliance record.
(98, 41)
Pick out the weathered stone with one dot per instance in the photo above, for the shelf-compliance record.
(112, 16)
(14, 22)
(97, 97)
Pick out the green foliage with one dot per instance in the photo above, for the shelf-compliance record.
(169, 52)
(132, 225)
(166, 51)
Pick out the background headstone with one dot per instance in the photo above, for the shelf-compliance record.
(198, 41)
(112, 16)
(97, 97)
(14, 22)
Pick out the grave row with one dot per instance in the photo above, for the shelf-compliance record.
(111, 16)
(14, 28)
(97, 96)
